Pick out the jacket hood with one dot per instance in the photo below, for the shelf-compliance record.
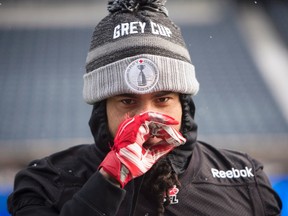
(179, 157)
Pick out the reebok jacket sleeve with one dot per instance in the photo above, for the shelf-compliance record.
(271, 203)
(35, 195)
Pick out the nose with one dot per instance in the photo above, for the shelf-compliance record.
(144, 106)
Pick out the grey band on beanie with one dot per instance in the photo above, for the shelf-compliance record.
(137, 49)
(107, 81)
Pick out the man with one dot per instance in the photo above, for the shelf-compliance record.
(146, 159)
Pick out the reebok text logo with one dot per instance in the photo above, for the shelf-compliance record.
(233, 173)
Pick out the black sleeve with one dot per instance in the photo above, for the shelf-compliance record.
(270, 200)
(36, 195)
(97, 197)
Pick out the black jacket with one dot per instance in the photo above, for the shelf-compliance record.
(216, 182)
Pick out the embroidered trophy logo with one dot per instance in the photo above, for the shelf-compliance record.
(141, 75)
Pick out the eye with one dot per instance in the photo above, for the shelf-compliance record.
(162, 99)
(128, 101)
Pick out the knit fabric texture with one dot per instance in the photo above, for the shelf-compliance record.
(137, 49)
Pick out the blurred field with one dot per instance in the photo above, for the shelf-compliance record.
(239, 49)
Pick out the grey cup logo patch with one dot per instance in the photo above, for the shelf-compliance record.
(141, 75)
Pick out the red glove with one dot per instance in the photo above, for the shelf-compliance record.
(129, 158)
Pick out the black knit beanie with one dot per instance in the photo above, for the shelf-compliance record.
(137, 49)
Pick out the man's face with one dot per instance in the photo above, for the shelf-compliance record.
(128, 105)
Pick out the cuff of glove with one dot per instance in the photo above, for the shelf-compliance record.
(112, 165)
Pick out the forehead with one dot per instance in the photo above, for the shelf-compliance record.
(154, 94)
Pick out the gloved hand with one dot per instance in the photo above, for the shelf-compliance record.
(129, 158)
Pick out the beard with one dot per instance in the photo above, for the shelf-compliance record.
(159, 180)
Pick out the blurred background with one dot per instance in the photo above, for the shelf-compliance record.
(239, 49)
